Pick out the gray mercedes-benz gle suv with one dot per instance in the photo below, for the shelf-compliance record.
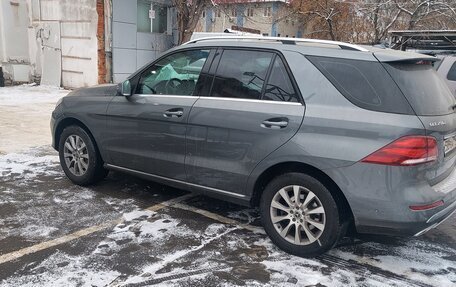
(320, 135)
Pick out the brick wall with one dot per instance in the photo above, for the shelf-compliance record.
(101, 43)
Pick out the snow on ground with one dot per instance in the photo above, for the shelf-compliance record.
(30, 94)
(37, 202)
(28, 165)
(62, 269)
(25, 113)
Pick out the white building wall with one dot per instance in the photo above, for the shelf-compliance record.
(14, 53)
(77, 21)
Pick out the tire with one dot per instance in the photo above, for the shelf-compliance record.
(90, 168)
(323, 209)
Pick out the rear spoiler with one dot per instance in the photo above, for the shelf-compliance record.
(388, 55)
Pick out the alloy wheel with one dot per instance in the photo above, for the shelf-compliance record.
(298, 215)
(76, 155)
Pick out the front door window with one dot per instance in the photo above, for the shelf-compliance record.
(176, 74)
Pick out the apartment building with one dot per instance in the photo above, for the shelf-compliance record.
(266, 17)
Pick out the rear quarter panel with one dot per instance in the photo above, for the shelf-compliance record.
(335, 133)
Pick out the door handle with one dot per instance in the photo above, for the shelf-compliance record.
(275, 123)
(174, 113)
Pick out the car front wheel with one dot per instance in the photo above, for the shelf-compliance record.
(79, 157)
(300, 215)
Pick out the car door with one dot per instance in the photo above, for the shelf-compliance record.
(146, 131)
(248, 107)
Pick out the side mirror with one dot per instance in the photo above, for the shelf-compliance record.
(125, 88)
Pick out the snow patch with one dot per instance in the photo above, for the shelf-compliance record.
(28, 166)
(60, 269)
(30, 94)
(208, 237)
(137, 214)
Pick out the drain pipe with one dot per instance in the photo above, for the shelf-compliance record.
(2, 80)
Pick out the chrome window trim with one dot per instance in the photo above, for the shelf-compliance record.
(166, 96)
(252, 101)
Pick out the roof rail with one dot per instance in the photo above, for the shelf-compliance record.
(292, 41)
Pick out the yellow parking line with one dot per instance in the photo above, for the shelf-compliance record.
(81, 233)
(219, 218)
(61, 240)
(174, 203)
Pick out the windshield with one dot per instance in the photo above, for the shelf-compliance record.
(428, 94)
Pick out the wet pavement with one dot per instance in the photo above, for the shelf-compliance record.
(129, 232)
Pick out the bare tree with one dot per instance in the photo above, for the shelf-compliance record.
(368, 21)
(328, 18)
(188, 14)
(381, 16)
(427, 14)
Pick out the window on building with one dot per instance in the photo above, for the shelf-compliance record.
(204, 13)
(280, 87)
(176, 74)
(151, 17)
(250, 12)
(233, 12)
(219, 13)
(267, 12)
(241, 74)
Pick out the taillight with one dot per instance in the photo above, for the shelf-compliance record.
(406, 151)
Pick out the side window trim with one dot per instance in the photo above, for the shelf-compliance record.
(214, 67)
(204, 72)
(452, 71)
(268, 75)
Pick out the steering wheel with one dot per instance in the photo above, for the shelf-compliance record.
(172, 85)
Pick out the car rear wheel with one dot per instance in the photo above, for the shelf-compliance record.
(79, 158)
(300, 215)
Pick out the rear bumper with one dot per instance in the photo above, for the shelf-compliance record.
(408, 228)
(438, 218)
(380, 198)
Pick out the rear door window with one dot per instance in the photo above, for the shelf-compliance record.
(241, 74)
(428, 94)
(366, 84)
